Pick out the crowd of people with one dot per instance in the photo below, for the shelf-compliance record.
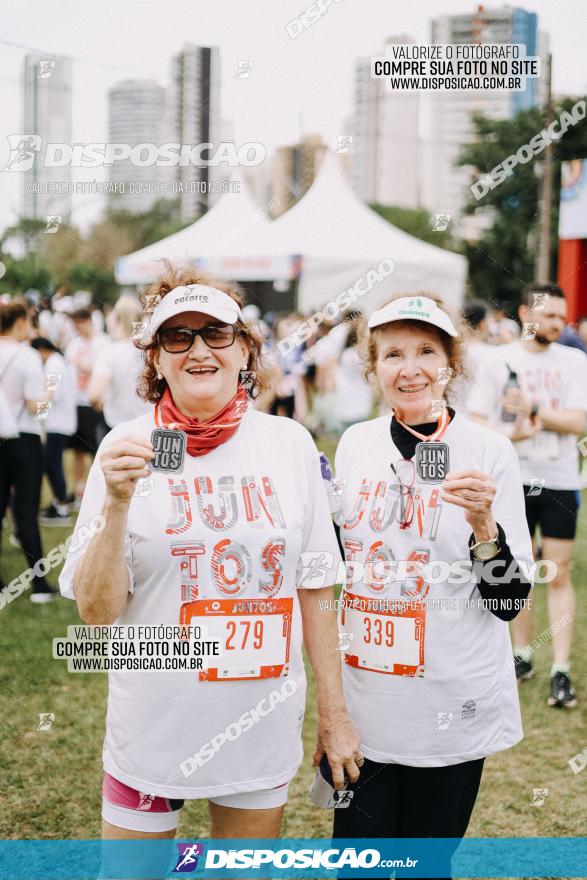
(459, 442)
(68, 374)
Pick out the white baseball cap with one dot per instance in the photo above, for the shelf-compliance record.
(413, 308)
(195, 298)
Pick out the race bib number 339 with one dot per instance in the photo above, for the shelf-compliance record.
(386, 639)
(254, 636)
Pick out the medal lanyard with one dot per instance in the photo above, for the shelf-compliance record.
(443, 423)
(406, 491)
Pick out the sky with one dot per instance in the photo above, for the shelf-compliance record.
(297, 86)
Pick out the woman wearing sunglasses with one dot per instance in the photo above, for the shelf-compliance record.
(429, 678)
(207, 505)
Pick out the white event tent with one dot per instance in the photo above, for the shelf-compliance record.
(212, 243)
(340, 239)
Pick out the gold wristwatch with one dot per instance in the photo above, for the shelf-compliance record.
(483, 551)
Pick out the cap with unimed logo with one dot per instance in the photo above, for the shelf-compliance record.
(413, 308)
(195, 298)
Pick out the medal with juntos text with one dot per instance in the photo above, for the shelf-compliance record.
(169, 447)
(431, 456)
(432, 461)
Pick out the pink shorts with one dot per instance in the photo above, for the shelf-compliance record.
(138, 811)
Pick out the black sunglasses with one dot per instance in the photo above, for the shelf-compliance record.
(176, 340)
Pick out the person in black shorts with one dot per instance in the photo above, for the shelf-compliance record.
(81, 353)
(535, 391)
(555, 511)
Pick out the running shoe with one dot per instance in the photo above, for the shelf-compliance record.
(14, 542)
(524, 669)
(562, 694)
(40, 597)
(50, 516)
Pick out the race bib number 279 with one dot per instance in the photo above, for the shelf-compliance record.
(254, 635)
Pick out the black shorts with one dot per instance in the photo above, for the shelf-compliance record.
(86, 438)
(554, 510)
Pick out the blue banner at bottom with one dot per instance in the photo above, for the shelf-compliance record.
(526, 857)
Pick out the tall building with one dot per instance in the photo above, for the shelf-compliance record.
(384, 153)
(294, 169)
(47, 114)
(136, 109)
(195, 117)
(451, 113)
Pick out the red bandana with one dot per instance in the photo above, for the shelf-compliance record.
(203, 437)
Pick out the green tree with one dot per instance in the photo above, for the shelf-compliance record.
(417, 222)
(22, 275)
(502, 261)
(89, 276)
(122, 232)
(26, 231)
(28, 271)
(86, 263)
(59, 250)
(143, 229)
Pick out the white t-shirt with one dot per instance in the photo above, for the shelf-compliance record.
(121, 363)
(354, 397)
(60, 330)
(62, 415)
(330, 346)
(82, 353)
(215, 532)
(433, 686)
(21, 379)
(554, 378)
(505, 325)
(477, 354)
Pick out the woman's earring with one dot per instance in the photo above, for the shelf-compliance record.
(246, 378)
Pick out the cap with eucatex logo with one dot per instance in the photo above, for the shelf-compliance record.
(195, 298)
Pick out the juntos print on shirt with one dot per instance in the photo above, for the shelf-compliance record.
(413, 509)
(217, 506)
(389, 638)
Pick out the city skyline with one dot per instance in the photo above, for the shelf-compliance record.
(259, 39)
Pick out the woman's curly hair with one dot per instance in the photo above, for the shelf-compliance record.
(150, 388)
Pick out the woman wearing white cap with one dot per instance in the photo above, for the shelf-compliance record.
(228, 498)
(429, 679)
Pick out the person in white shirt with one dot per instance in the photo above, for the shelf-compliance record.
(82, 353)
(501, 328)
(60, 424)
(290, 393)
(113, 384)
(207, 530)
(21, 451)
(477, 350)
(535, 391)
(431, 520)
(60, 329)
(354, 395)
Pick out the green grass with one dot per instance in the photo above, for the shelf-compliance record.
(51, 781)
